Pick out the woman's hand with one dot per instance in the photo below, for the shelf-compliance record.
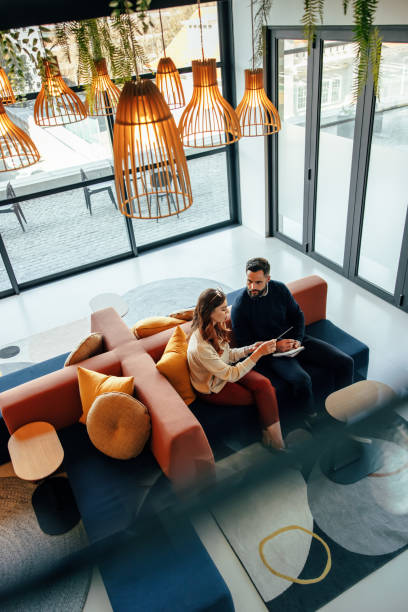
(254, 346)
(264, 348)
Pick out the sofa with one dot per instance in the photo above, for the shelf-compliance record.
(112, 494)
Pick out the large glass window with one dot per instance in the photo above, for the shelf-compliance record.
(292, 93)
(209, 185)
(337, 119)
(59, 232)
(387, 186)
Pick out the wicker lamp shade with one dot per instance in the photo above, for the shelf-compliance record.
(104, 95)
(57, 104)
(257, 115)
(17, 150)
(169, 83)
(6, 91)
(208, 120)
(151, 173)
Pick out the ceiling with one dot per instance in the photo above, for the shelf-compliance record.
(20, 13)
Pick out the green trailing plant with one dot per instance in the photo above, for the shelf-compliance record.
(366, 36)
(313, 12)
(16, 46)
(260, 19)
(368, 45)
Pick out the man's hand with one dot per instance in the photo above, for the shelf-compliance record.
(286, 345)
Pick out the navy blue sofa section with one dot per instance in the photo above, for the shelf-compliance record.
(162, 571)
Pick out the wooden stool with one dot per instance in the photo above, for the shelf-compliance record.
(354, 457)
(357, 400)
(35, 451)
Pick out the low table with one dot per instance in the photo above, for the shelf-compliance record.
(107, 300)
(35, 451)
(354, 457)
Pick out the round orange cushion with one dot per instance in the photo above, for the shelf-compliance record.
(118, 425)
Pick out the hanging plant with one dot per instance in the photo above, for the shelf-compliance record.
(366, 36)
(368, 45)
(312, 14)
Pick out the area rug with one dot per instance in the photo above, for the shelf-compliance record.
(166, 296)
(156, 298)
(26, 550)
(303, 540)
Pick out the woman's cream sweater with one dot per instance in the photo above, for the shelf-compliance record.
(209, 371)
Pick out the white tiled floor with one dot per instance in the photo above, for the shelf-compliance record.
(222, 256)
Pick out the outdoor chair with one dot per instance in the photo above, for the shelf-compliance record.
(157, 180)
(14, 208)
(88, 192)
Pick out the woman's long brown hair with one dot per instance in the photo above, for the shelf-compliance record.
(216, 333)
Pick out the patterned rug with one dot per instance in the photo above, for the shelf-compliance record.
(156, 298)
(27, 551)
(304, 539)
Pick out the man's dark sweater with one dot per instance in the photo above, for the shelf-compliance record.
(266, 317)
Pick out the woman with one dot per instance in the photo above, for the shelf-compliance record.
(209, 358)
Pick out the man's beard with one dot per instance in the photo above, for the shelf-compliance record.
(256, 293)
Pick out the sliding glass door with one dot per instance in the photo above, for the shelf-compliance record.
(387, 183)
(338, 168)
(336, 139)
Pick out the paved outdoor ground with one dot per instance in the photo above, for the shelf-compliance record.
(61, 234)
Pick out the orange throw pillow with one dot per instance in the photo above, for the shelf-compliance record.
(173, 365)
(92, 384)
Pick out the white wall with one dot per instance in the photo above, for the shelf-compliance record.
(252, 150)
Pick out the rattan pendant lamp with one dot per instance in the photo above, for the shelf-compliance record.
(104, 94)
(168, 78)
(257, 115)
(6, 91)
(17, 150)
(208, 119)
(151, 173)
(56, 104)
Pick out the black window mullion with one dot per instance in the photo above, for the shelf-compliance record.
(364, 121)
(314, 72)
(226, 41)
(401, 284)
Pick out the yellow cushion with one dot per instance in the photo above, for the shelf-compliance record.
(185, 315)
(118, 425)
(154, 325)
(92, 384)
(90, 346)
(173, 365)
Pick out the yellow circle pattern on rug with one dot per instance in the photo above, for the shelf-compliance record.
(118, 425)
(297, 580)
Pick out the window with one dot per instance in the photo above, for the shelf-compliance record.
(76, 168)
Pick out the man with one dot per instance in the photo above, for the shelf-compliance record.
(264, 310)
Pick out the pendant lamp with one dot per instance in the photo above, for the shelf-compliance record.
(17, 150)
(168, 78)
(104, 95)
(257, 115)
(57, 104)
(151, 173)
(6, 91)
(208, 119)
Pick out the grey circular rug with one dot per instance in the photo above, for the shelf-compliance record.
(160, 298)
(26, 550)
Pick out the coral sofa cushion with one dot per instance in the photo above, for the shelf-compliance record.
(92, 384)
(173, 365)
(154, 325)
(118, 425)
(88, 347)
